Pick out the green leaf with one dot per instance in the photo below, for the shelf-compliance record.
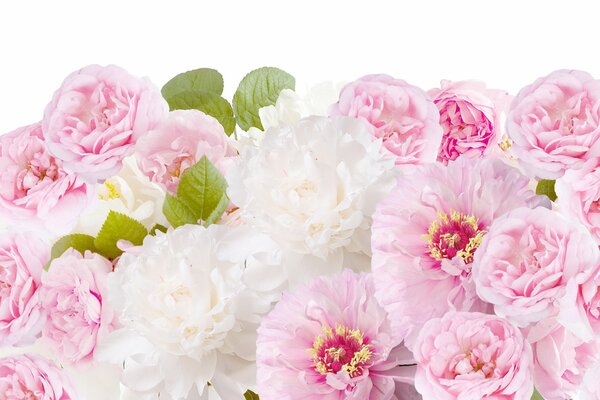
(260, 88)
(77, 241)
(117, 227)
(202, 189)
(209, 103)
(250, 395)
(536, 395)
(177, 213)
(546, 187)
(202, 80)
(156, 228)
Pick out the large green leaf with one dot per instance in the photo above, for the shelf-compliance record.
(200, 80)
(209, 103)
(177, 213)
(117, 227)
(76, 241)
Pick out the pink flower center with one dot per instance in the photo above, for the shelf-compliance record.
(476, 361)
(454, 235)
(341, 349)
(38, 170)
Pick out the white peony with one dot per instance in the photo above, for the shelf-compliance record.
(312, 187)
(188, 317)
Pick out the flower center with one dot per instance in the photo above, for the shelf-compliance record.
(473, 361)
(341, 349)
(110, 191)
(454, 235)
(37, 170)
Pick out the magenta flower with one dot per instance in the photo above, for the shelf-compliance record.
(330, 339)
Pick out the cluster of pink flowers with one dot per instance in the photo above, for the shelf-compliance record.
(393, 244)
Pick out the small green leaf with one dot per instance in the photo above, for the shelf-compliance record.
(76, 241)
(156, 228)
(177, 213)
(250, 395)
(202, 189)
(209, 103)
(260, 88)
(202, 80)
(546, 187)
(536, 395)
(117, 227)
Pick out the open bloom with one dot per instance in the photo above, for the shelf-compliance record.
(554, 123)
(330, 339)
(473, 356)
(470, 115)
(590, 389)
(578, 192)
(427, 231)
(74, 297)
(34, 377)
(527, 259)
(178, 143)
(187, 316)
(35, 188)
(22, 259)
(400, 114)
(97, 115)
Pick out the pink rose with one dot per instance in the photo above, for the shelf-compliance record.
(560, 360)
(470, 118)
(578, 192)
(96, 116)
(74, 297)
(34, 187)
(590, 389)
(22, 259)
(30, 377)
(399, 114)
(526, 260)
(554, 123)
(473, 356)
(178, 143)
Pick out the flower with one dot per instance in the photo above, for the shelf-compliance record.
(330, 339)
(34, 377)
(22, 259)
(96, 116)
(187, 316)
(312, 187)
(473, 356)
(427, 231)
(554, 123)
(560, 360)
(178, 143)
(74, 298)
(470, 115)
(578, 192)
(36, 190)
(399, 114)
(526, 260)
(590, 389)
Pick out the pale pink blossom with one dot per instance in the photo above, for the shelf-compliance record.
(399, 114)
(330, 339)
(554, 123)
(35, 190)
(178, 143)
(22, 259)
(590, 389)
(471, 119)
(427, 230)
(74, 297)
(473, 356)
(97, 115)
(526, 261)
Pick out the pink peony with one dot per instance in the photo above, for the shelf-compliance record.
(590, 389)
(578, 192)
(554, 123)
(473, 356)
(30, 377)
(399, 114)
(330, 339)
(178, 143)
(426, 232)
(560, 360)
(74, 293)
(34, 187)
(22, 259)
(470, 115)
(527, 259)
(96, 116)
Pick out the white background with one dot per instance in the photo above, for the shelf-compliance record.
(505, 43)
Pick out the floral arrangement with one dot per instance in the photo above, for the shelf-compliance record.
(361, 241)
